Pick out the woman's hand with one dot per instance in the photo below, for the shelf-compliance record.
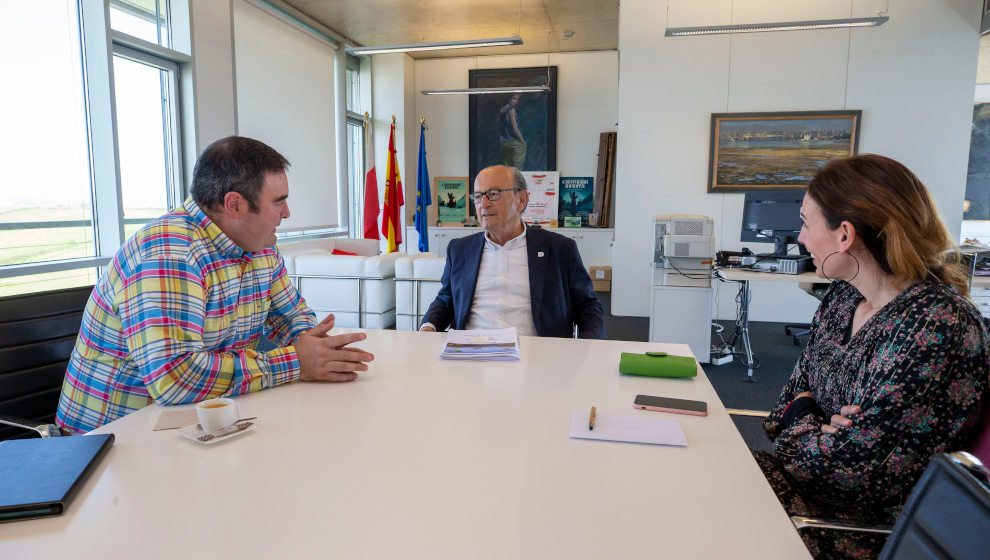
(841, 420)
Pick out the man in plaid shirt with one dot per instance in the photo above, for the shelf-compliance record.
(178, 314)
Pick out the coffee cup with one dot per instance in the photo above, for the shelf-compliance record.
(217, 414)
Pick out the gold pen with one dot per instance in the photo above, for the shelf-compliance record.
(591, 419)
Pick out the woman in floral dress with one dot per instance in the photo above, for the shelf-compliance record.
(896, 368)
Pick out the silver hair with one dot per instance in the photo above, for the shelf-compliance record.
(518, 179)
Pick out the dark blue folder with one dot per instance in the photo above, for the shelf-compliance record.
(39, 477)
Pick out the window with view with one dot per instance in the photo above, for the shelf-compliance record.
(59, 211)
(355, 146)
(144, 90)
(46, 207)
(144, 19)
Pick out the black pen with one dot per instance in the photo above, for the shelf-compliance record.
(591, 419)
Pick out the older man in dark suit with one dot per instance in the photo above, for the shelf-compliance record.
(512, 275)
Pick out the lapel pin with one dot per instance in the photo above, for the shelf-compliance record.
(539, 254)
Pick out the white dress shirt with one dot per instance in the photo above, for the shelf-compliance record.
(501, 293)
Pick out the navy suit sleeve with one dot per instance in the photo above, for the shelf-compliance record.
(441, 311)
(586, 310)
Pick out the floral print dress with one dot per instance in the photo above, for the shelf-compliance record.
(918, 369)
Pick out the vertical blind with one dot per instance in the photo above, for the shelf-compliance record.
(285, 98)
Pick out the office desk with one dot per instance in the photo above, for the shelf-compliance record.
(744, 277)
(423, 458)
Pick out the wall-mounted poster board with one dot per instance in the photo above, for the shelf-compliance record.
(577, 199)
(543, 198)
(451, 205)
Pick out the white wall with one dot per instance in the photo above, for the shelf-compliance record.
(913, 78)
(213, 73)
(587, 105)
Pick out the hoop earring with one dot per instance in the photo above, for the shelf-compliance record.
(827, 277)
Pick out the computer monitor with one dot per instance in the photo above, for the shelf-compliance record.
(773, 216)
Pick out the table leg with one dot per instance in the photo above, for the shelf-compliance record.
(743, 328)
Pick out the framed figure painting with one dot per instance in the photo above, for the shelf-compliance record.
(750, 151)
(515, 129)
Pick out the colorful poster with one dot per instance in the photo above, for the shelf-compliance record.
(451, 201)
(577, 198)
(543, 198)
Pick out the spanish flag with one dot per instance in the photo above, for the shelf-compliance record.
(391, 218)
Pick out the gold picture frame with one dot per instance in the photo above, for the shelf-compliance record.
(782, 150)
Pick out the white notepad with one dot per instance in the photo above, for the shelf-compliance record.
(633, 429)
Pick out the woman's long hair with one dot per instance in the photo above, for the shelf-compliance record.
(894, 215)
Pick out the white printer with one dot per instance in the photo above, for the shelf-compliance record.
(683, 250)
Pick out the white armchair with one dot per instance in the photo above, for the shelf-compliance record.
(291, 250)
(358, 289)
(417, 281)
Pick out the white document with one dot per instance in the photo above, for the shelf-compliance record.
(633, 429)
(543, 198)
(481, 344)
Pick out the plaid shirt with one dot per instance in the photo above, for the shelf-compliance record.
(176, 319)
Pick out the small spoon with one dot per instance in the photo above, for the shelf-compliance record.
(232, 429)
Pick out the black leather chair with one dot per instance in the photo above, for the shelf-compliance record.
(947, 515)
(802, 330)
(37, 334)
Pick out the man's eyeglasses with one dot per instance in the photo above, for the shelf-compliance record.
(492, 194)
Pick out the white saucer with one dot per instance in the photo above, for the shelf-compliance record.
(194, 432)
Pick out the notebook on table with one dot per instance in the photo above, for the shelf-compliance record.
(39, 477)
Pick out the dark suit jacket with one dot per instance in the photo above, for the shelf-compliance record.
(559, 286)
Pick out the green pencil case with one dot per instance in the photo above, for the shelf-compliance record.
(657, 365)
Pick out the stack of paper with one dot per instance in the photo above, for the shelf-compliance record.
(481, 345)
(633, 429)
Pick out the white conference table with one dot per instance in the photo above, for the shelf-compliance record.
(423, 458)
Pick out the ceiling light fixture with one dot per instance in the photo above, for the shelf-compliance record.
(436, 46)
(509, 89)
(781, 26)
(477, 91)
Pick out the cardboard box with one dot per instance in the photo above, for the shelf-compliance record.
(601, 273)
(602, 285)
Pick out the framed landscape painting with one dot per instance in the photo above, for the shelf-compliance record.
(750, 151)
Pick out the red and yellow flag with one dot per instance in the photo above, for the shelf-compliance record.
(391, 218)
(371, 208)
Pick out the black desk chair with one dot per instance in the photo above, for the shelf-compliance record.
(37, 334)
(947, 514)
(799, 331)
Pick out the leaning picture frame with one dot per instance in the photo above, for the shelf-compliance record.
(780, 150)
(515, 129)
(450, 207)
